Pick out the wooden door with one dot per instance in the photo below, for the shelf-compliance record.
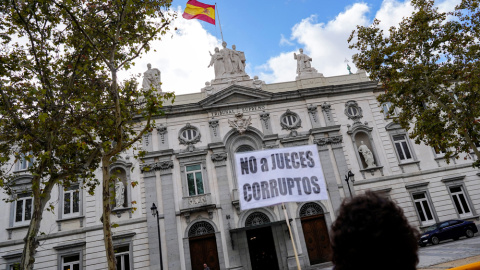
(203, 249)
(262, 249)
(316, 238)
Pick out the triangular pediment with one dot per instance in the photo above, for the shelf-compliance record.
(235, 95)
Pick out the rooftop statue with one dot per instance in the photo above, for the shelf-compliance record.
(304, 66)
(238, 60)
(227, 63)
(151, 77)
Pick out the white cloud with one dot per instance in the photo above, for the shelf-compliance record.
(285, 41)
(182, 57)
(325, 43)
(392, 12)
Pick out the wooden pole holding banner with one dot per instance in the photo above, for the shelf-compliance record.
(291, 236)
(219, 24)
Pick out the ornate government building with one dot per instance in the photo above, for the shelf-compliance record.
(192, 183)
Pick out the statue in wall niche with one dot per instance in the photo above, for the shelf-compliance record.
(119, 193)
(303, 62)
(151, 77)
(367, 155)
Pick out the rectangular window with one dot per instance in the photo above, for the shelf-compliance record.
(71, 201)
(122, 255)
(24, 163)
(460, 201)
(194, 180)
(23, 209)
(71, 262)
(423, 208)
(14, 266)
(386, 107)
(402, 148)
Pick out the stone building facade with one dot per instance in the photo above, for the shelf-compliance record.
(188, 173)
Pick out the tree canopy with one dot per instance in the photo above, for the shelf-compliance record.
(62, 107)
(429, 68)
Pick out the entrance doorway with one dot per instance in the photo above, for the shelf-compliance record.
(203, 246)
(262, 249)
(316, 233)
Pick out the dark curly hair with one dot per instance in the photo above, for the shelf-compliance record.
(371, 232)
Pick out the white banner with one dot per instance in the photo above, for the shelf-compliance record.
(274, 176)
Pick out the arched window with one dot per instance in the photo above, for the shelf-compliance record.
(200, 228)
(310, 209)
(256, 218)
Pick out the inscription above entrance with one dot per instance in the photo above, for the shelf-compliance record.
(238, 110)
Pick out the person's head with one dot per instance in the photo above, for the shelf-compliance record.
(204, 265)
(217, 49)
(149, 66)
(301, 50)
(224, 44)
(371, 232)
(234, 47)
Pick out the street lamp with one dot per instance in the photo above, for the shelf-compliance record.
(350, 177)
(155, 214)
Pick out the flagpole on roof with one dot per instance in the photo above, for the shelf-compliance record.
(219, 24)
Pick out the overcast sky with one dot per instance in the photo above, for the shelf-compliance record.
(269, 32)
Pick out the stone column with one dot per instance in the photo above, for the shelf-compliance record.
(328, 172)
(170, 220)
(150, 182)
(219, 158)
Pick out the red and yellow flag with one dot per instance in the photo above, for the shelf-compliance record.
(200, 11)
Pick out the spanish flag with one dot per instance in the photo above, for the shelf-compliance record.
(200, 11)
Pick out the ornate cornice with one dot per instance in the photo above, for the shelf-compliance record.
(328, 140)
(156, 166)
(219, 157)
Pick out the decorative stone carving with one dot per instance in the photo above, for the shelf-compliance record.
(328, 140)
(240, 123)
(164, 165)
(208, 89)
(155, 166)
(161, 131)
(189, 135)
(217, 157)
(257, 84)
(312, 110)
(264, 116)
(367, 155)
(213, 123)
(353, 111)
(193, 201)
(290, 120)
(151, 77)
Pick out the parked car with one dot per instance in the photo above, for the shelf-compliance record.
(450, 229)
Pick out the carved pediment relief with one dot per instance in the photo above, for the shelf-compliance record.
(235, 94)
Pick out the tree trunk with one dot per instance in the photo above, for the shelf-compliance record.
(31, 240)
(107, 210)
